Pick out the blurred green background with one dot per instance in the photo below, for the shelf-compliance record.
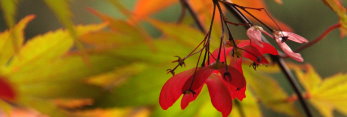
(308, 18)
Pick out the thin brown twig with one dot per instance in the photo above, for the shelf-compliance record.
(319, 38)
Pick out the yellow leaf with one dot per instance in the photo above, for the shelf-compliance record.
(335, 82)
(116, 77)
(61, 9)
(49, 46)
(115, 112)
(323, 107)
(261, 15)
(326, 95)
(206, 109)
(249, 105)
(269, 92)
(6, 40)
(5, 107)
(310, 80)
(63, 78)
(65, 70)
(144, 8)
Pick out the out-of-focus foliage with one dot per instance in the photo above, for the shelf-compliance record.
(6, 91)
(36, 70)
(274, 98)
(326, 94)
(341, 12)
(6, 42)
(118, 69)
(144, 8)
(61, 9)
(9, 7)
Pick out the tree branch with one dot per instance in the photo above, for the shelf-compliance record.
(194, 15)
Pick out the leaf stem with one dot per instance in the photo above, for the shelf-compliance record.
(319, 38)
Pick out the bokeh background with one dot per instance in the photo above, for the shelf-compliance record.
(308, 18)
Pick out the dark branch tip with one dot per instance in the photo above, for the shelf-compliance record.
(180, 61)
(171, 71)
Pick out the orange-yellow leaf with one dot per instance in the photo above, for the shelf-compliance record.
(24, 112)
(116, 112)
(203, 8)
(261, 14)
(341, 11)
(103, 39)
(310, 80)
(72, 103)
(144, 8)
(5, 107)
(326, 95)
(279, 1)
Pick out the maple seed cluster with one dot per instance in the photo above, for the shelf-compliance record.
(221, 69)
